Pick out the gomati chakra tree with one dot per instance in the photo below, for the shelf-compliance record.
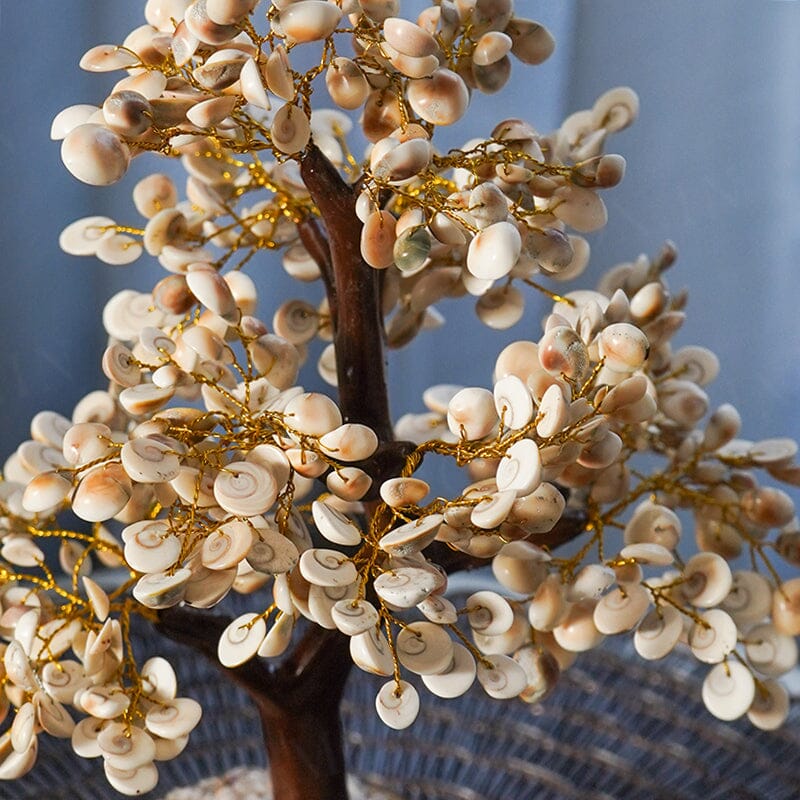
(204, 467)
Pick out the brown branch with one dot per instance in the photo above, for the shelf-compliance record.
(316, 243)
(358, 324)
(571, 525)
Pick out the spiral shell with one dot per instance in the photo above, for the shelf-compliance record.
(227, 546)
(245, 489)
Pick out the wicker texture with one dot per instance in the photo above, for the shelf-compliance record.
(616, 727)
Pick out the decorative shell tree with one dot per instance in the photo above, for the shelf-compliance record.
(205, 468)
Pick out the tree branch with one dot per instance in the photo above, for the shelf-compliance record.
(358, 324)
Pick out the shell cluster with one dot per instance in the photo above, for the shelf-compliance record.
(205, 468)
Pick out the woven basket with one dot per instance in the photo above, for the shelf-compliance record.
(616, 727)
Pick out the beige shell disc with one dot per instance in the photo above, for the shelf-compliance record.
(81, 238)
(424, 648)
(162, 590)
(520, 470)
(353, 617)
(272, 553)
(104, 702)
(411, 537)
(246, 489)
(620, 611)
(772, 653)
(150, 546)
(489, 613)
(406, 586)
(708, 580)
(728, 690)
(240, 641)
(504, 680)
(327, 567)
(370, 652)
(334, 525)
(225, 547)
(125, 747)
(278, 637)
(456, 678)
(160, 682)
(173, 719)
(103, 492)
(397, 704)
(132, 781)
(513, 402)
(95, 154)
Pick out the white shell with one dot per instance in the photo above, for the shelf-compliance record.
(749, 599)
(240, 641)
(441, 99)
(658, 632)
(227, 546)
(624, 347)
(646, 553)
(456, 678)
(149, 460)
(95, 155)
(81, 238)
(653, 523)
(489, 613)
(159, 679)
(409, 38)
(327, 567)
(350, 442)
(399, 492)
(150, 546)
(271, 552)
(176, 718)
(397, 704)
(471, 413)
(104, 702)
(245, 489)
(22, 728)
(577, 631)
(513, 402)
(160, 589)
(439, 609)
(53, 716)
(252, 83)
(617, 611)
(370, 652)
(493, 251)
(352, 617)
(278, 637)
(520, 567)
(405, 587)
(213, 291)
(103, 492)
(728, 690)
(290, 129)
(520, 469)
(69, 118)
(321, 600)
(770, 706)
(492, 511)
(713, 641)
(126, 747)
(310, 20)
(708, 580)
(424, 648)
(411, 537)
(770, 652)
(504, 680)
(145, 398)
